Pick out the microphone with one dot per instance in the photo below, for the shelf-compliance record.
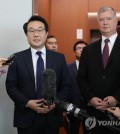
(9, 60)
(49, 94)
(73, 110)
(82, 114)
(49, 86)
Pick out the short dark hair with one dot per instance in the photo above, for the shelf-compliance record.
(50, 36)
(79, 42)
(35, 18)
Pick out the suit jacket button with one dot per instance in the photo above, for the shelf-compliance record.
(103, 76)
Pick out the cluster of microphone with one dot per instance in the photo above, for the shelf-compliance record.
(49, 93)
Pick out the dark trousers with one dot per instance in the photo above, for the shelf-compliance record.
(39, 126)
(74, 124)
(101, 130)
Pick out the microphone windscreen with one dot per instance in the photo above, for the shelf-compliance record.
(49, 85)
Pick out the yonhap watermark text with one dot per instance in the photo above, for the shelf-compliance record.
(91, 122)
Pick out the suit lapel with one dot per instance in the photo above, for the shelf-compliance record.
(48, 59)
(29, 63)
(115, 49)
(74, 68)
(98, 53)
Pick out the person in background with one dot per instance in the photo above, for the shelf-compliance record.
(24, 82)
(74, 94)
(51, 43)
(99, 70)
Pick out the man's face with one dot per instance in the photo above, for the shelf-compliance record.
(78, 50)
(51, 43)
(107, 23)
(36, 34)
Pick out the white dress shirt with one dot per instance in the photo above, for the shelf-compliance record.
(77, 64)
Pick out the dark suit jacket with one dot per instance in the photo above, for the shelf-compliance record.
(93, 79)
(20, 84)
(74, 93)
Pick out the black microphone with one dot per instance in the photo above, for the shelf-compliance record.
(73, 110)
(49, 94)
(82, 114)
(49, 86)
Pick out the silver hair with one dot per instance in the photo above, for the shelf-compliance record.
(106, 8)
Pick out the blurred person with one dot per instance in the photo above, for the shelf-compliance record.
(51, 43)
(99, 70)
(74, 94)
(24, 82)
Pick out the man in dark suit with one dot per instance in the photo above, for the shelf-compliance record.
(74, 94)
(31, 115)
(99, 82)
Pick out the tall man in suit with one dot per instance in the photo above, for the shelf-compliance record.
(31, 115)
(100, 83)
(74, 94)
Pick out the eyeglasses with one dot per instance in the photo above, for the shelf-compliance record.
(33, 31)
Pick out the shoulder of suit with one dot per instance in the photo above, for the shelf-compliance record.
(94, 44)
(71, 63)
(23, 52)
(53, 52)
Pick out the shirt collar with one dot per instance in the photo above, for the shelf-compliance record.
(43, 50)
(112, 38)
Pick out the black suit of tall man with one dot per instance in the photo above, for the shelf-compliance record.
(95, 80)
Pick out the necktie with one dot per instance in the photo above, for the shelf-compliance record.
(39, 71)
(105, 55)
